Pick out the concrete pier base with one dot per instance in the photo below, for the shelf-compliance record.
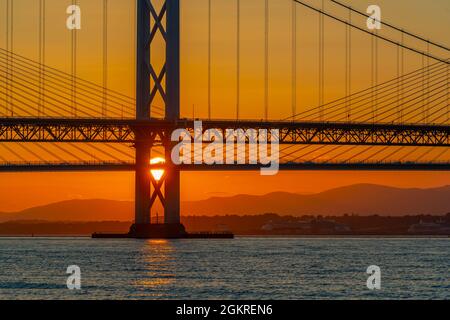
(162, 231)
(158, 231)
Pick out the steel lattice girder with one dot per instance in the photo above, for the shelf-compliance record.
(308, 166)
(125, 131)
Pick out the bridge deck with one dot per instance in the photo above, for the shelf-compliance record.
(300, 166)
(124, 131)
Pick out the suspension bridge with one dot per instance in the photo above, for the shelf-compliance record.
(52, 120)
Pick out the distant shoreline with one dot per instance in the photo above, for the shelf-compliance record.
(268, 225)
(2, 237)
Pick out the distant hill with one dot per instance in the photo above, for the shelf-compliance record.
(76, 210)
(362, 199)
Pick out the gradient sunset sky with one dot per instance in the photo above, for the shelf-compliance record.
(430, 19)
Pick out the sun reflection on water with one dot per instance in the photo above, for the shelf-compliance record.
(158, 260)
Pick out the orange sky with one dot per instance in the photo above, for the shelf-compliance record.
(429, 18)
(18, 191)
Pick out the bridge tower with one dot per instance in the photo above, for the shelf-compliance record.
(151, 21)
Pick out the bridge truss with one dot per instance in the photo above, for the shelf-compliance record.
(380, 117)
(127, 131)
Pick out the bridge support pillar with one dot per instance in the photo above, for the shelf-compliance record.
(149, 191)
(149, 22)
(142, 184)
(172, 196)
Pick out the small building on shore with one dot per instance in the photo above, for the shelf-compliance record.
(430, 228)
(311, 227)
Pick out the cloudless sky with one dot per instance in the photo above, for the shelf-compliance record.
(428, 18)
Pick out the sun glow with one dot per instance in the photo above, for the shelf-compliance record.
(157, 173)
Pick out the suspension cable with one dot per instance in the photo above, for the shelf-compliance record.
(398, 80)
(402, 72)
(427, 84)
(392, 84)
(80, 81)
(209, 58)
(238, 57)
(414, 88)
(386, 100)
(413, 79)
(393, 27)
(62, 78)
(105, 56)
(42, 12)
(374, 74)
(7, 57)
(348, 65)
(10, 46)
(294, 58)
(266, 60)
(443, 60)
(11, 150)
(74, 66)
(55, 90)
(448, 94)
(321, 59)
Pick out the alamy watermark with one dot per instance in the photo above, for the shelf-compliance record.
(74, 278)
(374, 21)
(73, 22)
(374, 280)
(228, 146)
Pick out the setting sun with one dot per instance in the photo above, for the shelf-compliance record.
(215, 159)
(157, 173)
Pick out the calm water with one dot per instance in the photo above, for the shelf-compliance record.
(244, 268)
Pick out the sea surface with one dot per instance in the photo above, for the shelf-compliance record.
(244, 268)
